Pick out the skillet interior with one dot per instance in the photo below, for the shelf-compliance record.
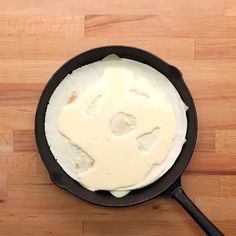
(57, 174)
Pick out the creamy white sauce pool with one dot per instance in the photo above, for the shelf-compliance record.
(120, 159)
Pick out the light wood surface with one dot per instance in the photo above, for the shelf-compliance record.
(36, 37)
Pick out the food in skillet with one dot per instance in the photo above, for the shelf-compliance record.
(115, 125)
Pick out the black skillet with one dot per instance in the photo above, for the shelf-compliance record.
(170, 183)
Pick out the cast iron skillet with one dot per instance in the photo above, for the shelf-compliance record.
(170, 183)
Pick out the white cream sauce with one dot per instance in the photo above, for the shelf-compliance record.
(108, 122)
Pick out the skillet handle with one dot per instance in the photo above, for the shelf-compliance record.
(208, 227)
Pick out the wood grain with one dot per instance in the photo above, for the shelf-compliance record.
(36, 37)
(159, 26)
(215, 48)
(226, 141)
(3, 187)
(227, 186)
(214, 78)
(6, 141)
(198, 7)
(41, 25)
(23, 140)
(17, 94)
(206, 141)
(13, 117)
(27, 71)
(132, 227)
(230, 8)
(46, 48)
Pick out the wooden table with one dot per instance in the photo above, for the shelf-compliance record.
(36, 37)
